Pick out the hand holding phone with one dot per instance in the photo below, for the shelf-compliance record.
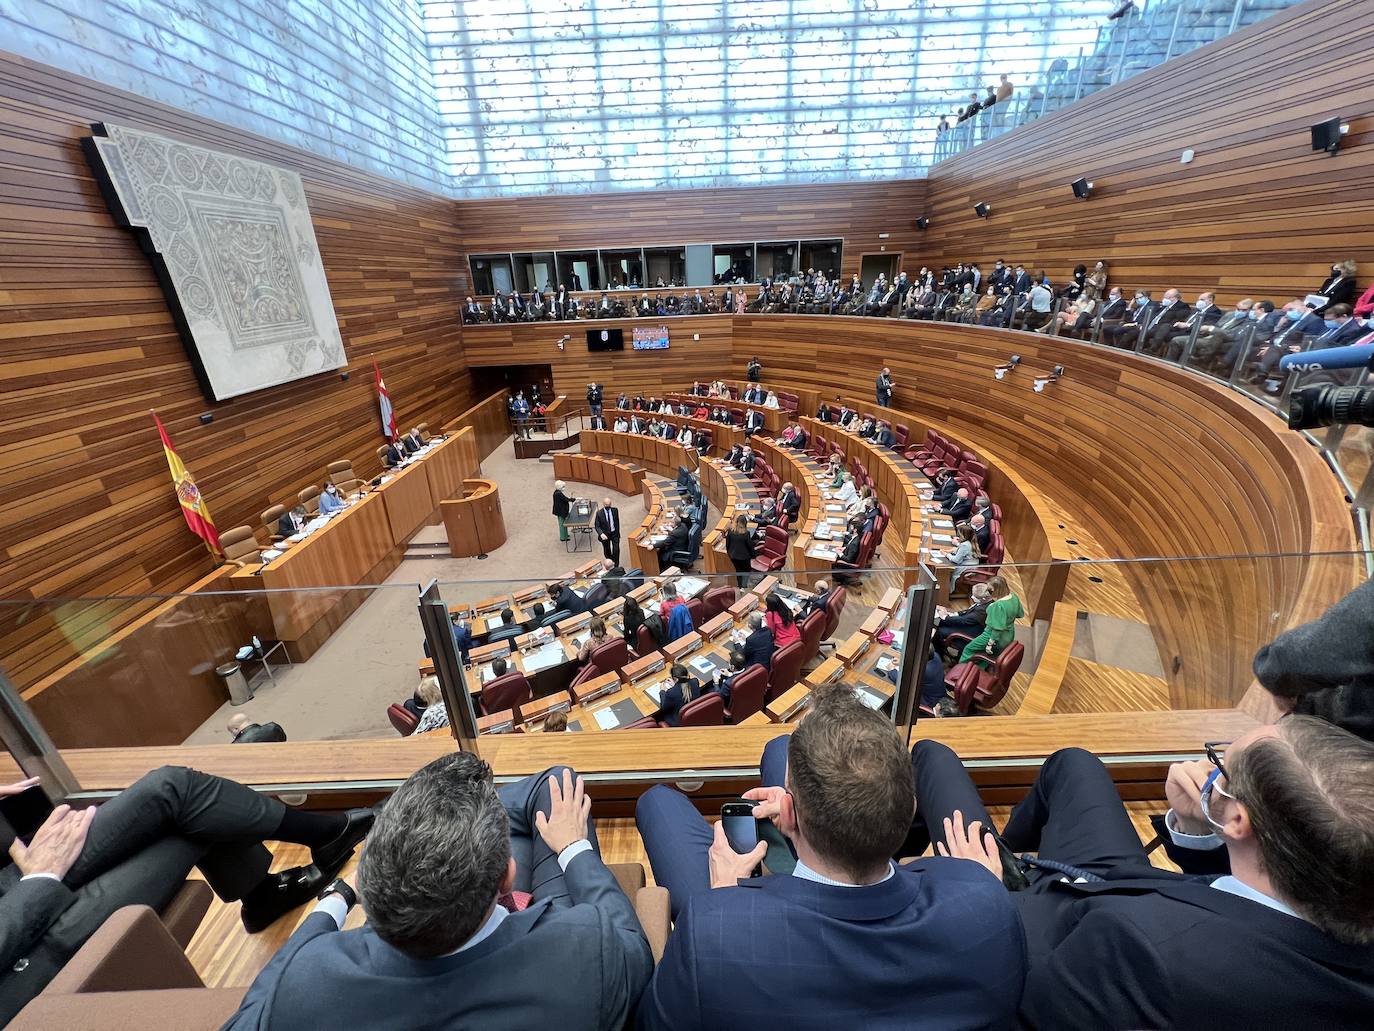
(736, 852)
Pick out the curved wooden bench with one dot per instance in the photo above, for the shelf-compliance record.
(615, 473)
(662, 457)
(1155, 461)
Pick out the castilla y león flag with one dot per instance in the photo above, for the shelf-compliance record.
(384, 403)
(193, 505)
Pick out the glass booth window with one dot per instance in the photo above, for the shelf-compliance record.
(733, 263)
(624, 268)
(534, 272)
(491, 273)
(823, 256)
(776, 260)
(665, 266)
(579, 270)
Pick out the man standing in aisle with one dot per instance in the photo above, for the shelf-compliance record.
(594, 399)
(884, 387)
(520, 408)
(607, 526)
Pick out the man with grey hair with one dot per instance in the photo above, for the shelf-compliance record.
(486, 907)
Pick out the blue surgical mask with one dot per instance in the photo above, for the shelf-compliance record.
(1331, 323)
(1294, 314)
(1140, 302)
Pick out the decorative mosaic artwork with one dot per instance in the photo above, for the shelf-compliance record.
(236, 253)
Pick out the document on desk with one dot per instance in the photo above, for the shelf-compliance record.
(655, 692)
(492, 622)
(944, 537)
(834, 508)
(544, 657)
(690, 586)
(606, 719)
(870, 697)
(825, 553)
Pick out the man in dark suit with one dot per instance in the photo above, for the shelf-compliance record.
(472, 311)
(1125, 332)
(293, 520)
(565, 598)
(473, 894)
(1285, 814)
(677, 539)
(1021, 282)
(395, 454)
(820, 598)
(137, 849)
(1211, 338)
(758, 645)
(1173, 311)
(982, 532)
(789, 503)
(1205, 314)
(243, 731)
(882, 435)
(883, 388)
(746, 460)
(606, 526)
(837, 928)
(968, 621)
(732, 457)
(960, 506)
(1300, 324)
(753, 422)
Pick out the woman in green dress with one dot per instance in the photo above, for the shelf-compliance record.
(999, 631)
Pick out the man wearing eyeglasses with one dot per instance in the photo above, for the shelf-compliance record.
(1272, 924)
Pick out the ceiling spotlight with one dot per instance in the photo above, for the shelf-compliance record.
(1327, 135)
(922, 222)
(982, 209)
(1082, 189)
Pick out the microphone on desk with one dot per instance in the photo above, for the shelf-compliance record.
(1353, 356)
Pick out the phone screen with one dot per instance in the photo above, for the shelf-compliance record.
(740, 829)
(23, 814)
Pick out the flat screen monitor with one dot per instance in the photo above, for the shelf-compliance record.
(651, 338)
(605, 340)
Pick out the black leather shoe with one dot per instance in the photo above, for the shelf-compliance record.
(332, 856)
(279, 894)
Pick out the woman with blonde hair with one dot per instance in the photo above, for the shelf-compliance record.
(1339, 287)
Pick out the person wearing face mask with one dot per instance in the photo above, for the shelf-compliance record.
(1113, 310)
(1211, 340)
(330, 500)
(1125, 332)
(1299, 325)
(1338, 288)
(1265, 320)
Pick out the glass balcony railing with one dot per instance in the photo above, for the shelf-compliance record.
(476, 663)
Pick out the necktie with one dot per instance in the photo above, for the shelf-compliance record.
(515, 901)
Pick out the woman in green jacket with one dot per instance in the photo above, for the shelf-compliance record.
(999, 631)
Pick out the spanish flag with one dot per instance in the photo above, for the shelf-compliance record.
(193, 506)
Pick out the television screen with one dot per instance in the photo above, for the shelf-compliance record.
(605, 340)
(650, 338)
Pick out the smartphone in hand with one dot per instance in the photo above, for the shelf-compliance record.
(741, 829)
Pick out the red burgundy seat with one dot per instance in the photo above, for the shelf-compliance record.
(717, 600)
(976, 687)
(747, 693)
(787, 664)
(505, 692)
(402, 719)
(706, 711)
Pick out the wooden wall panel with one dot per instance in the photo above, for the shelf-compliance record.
(1154, 461)
(1256, 213)
(654, 372)
(856, 212)
(87, 347)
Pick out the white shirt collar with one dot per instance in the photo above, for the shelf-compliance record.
(807, 874)
(1234, 886)
(498, 914)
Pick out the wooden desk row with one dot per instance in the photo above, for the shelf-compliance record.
(663, 457)
(618, 474)
(774, 419)
(360, 545)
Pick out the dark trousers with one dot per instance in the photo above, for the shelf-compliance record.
(536, 865)
(1072, 815)
(677, 839)
(139, 850)
(743, 567)
(610, 547)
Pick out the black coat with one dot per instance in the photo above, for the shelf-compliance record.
(602, 523)
(758, 648)
(561, 504)
(739, 545)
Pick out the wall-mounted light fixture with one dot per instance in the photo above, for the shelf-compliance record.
(1042, 381)
(982, 209)
(1010, 365)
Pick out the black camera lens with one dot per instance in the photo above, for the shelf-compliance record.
(1326, 404)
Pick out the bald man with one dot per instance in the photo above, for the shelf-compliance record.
(607, 528)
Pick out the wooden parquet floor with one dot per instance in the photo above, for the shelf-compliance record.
(226, 956)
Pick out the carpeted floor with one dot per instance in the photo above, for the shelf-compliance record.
(369, 662)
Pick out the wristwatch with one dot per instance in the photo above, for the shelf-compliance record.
(340, 887)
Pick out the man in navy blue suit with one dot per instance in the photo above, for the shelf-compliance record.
(1284, 937)
(848, 938)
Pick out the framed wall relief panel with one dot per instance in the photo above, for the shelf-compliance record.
(234, 248)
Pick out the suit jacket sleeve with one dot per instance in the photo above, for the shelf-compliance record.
(26, 912)
(672, 999)
(256, 1009)
(626, 959)
(1103, 973)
